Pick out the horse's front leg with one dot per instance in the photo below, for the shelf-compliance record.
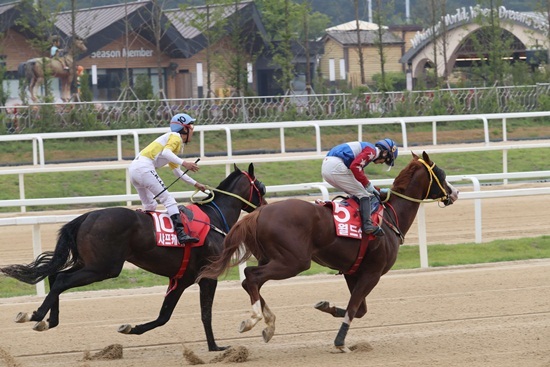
(269, 316)
(166, 310)
(326, 306)
(207, 292)
(359, 288)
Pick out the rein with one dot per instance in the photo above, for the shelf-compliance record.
(425, 200)
(211, 197)
(213, 189)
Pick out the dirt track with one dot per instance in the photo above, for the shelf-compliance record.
(495, 315)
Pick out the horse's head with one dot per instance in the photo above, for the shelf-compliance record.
(245, 186)
(438, 187)
(79, 44)
(422, 180)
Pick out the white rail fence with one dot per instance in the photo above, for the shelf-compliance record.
(323, 189)
(37, 140)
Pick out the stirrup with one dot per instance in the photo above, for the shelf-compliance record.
(187, 239)
(378, 232)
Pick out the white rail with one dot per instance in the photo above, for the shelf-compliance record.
(318, 187)
(39, 138)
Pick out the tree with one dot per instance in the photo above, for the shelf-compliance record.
(359, 42)
(380, 13)
(210, 20)
(491, 43)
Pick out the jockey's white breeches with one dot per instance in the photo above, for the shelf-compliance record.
(148, 184)
(335, 172)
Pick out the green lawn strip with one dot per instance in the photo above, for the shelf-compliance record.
(409, 258)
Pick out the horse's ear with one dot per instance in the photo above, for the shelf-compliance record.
(235, 168)
(251, 170)
(426, 157)
(414, 155)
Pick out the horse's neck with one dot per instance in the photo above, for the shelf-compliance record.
(406, 212)
(230, 208)
(68, 59)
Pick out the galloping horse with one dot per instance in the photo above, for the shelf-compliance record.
(287, 235)
(33, 71)
(94, 246)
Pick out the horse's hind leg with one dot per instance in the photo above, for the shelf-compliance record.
(63, 281)
(54, 313)
(255, 277)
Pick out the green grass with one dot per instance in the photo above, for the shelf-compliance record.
(93, 183)
(409, 258)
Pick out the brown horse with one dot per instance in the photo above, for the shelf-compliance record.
(33, 71)
(287, 235)
(94, 246)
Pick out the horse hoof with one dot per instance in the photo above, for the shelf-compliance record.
(41, 326)
(246, 325)
(125, 329)
(268, 333)
(22, 317)
(342, 349)
(322, 306)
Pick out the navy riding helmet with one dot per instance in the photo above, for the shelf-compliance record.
(391, 147)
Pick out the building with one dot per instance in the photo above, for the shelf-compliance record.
(123, 39)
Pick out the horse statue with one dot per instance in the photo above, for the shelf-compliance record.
(33, 71)
(287, 235)
(94, 246)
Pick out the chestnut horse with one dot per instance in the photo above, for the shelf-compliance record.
(287, 235)
(33, 71)
(94, 246)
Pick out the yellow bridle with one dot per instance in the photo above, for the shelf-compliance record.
(432, 178)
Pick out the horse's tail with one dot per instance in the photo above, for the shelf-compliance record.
(63, 257)
(244, 232)
(29, 70)
(22, 70)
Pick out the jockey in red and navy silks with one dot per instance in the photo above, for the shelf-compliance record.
(343, 169)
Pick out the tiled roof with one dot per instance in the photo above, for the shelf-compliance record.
(367, 37)
(182, 19)
(5, 7)
(93, 20)
(6, 15)
(101, 25)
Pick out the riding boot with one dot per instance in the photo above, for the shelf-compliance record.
(183, 237)
(366, 224)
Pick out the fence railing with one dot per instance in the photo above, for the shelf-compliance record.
(38, 150)
(323, 189)
(220, 111)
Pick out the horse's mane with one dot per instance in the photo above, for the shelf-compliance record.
(226, 183)
(404, 177)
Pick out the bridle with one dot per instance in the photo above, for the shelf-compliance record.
(253, 189)
(433, 177)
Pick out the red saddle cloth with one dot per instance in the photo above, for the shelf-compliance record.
(347, 219)
(198, 226)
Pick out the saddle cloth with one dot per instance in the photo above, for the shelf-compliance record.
(347, 218)
(195, 222)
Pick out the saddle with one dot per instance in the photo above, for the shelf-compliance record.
(195, 221)
(347, 218)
